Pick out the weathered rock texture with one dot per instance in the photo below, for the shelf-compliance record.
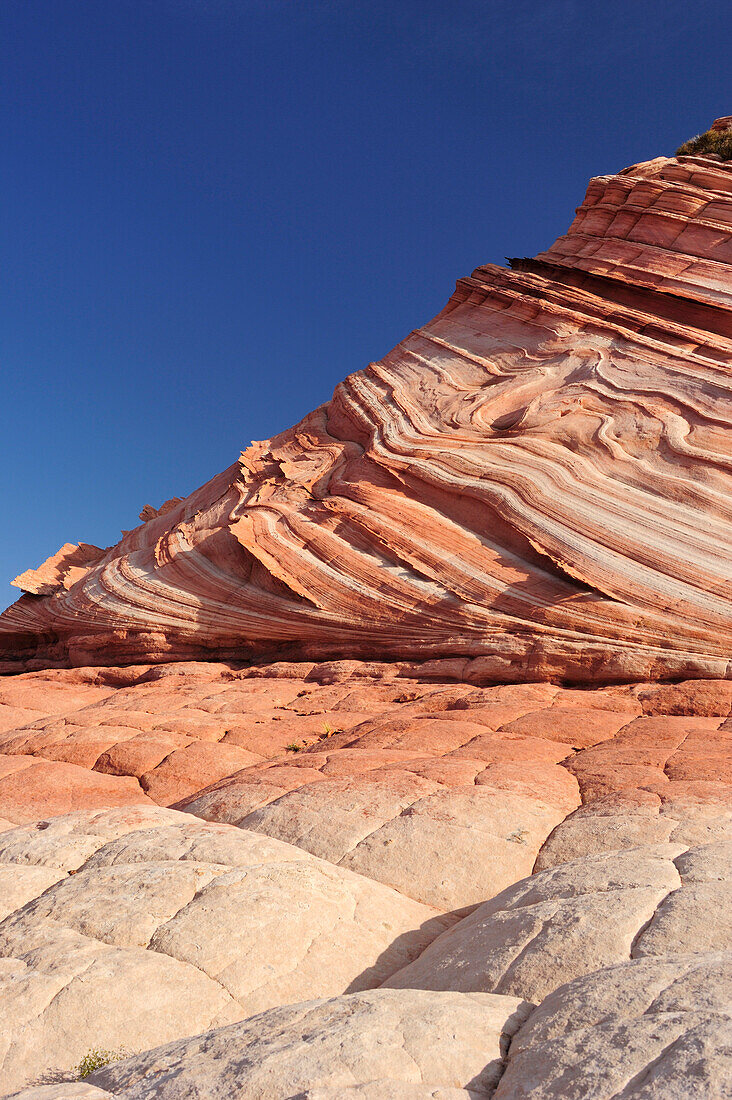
(538, 479)
(498, 857)
(379, 1038)
(442, 790)
(656, 1028)
(148, 925)
(395, 853)
(152, 927)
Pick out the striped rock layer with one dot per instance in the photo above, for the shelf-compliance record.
(537, 480)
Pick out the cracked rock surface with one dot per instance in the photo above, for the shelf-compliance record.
(403, 1038)
(160, 928)
(654, 1027)
(429, 839)
(583, 916)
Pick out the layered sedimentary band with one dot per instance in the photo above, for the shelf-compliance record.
(537, 480)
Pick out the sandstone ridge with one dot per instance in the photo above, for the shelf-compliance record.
(537, 479)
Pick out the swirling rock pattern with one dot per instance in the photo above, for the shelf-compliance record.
(538, 479)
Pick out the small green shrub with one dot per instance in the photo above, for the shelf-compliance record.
(328, 731)
(293, 747)
(718, 142)
(95, 1059)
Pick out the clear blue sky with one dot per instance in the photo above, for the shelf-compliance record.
(213, 210)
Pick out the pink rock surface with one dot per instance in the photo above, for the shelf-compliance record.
(535, 485)
(226, 740)
(444, 794)
(444, 791)
(44, 788)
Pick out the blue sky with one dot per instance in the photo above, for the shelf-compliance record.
(214, 210)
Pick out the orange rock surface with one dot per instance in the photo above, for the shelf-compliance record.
(375, 767)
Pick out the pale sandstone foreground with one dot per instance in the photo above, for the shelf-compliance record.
(153, 925)
(162, 926)
(404, 1038)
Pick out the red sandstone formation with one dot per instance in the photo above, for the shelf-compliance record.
(538, 480)
(493, 889)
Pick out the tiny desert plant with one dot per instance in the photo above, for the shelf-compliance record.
(294, 746)
(95, 1059)
(713, 142)
(328, 731)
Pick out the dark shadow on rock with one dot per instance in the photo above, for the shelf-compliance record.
(411, 943)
